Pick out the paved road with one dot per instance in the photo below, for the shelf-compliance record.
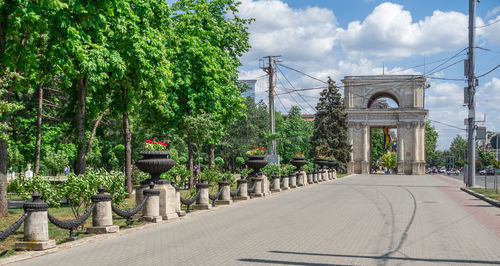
(490, 180)
(360, 220)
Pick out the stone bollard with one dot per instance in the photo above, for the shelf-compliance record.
(257, 192)
(265, 184)
(178, 208)
(286, 184)
(225, 196)
(102, 215)
(151, 209)
(315, 176)
(36, 227)
(310, 178)
(293, 180)
(167, 199)
(334, 174)
(276, 184)
(301, 178)
(330, 174)
(325, 175)
(243, 193)
(203, 201)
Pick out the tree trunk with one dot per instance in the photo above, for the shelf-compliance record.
(128, 144)
(81, 163)
(92, 134)
(190, 158)
(3, 179)
(39, 128)
(211, 157)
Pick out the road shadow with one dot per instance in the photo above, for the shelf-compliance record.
(373, 257)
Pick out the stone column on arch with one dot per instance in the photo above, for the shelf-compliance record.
(365, 142)
(401, 149)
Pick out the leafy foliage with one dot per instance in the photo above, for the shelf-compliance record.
(330, 126)
(389, 160)
(24, 187)
(79, 189)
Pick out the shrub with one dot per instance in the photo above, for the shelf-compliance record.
(138, 176)
(211, 176)
(239, 160)
(271, 169)
(25, 188)
(218, 161)
(79, 189)
(178, 175)
(287, 169)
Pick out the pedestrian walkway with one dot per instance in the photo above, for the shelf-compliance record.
(359, 220)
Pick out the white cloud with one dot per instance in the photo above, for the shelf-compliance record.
(491, 33)
(487, 101)
(390, 32)
(298, 34)
(493, 12)
(444, 102)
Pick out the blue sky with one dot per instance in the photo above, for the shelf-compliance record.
(338, 38)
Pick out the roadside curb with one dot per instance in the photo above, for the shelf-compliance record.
(491, 201)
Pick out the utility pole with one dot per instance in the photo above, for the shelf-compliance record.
(270, 70)
(471, 90)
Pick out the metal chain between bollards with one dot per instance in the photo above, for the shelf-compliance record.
(252, 189)
(214, 197)
(129, 212)
(11, 229)
(71, 225)
(190, 201)
(235, 193)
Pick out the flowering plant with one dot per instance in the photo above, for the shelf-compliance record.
(154, 145)
(326, 157)
(299, 154)
(256, 151)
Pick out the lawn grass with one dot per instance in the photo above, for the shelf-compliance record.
(59, 235)
(490, 193)
(342, 175)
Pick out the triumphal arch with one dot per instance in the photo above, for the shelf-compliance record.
(360, 95)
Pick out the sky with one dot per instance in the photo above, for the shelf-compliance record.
(340, 38)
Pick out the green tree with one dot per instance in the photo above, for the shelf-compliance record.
(389, 160)
(378, 148)
(487, 157)
(431, 137)
(330, 125)
(458, 148)
(209, 39)
(294, 134)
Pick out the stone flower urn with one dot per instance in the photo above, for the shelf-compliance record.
(154, 163)
(321, 162)
(256, 162)
(331, 163)
(298, 162)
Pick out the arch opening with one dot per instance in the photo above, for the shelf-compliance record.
(383, 100)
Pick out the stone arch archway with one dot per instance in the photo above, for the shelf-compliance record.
(407, 91)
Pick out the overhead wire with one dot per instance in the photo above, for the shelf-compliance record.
(283, 86)
(491, 70)
(489, 24)
(279, 69)
(305, 74)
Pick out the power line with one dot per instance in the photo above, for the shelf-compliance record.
(457, 54)
(304, 73)
(491, 70)
(290, 95)
(489, 24)
(446, 124)
(279, 69)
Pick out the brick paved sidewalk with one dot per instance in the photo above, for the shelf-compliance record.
(379, 219)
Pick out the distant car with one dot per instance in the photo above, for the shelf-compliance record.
(453, 172)
(482, 172)
(434, 170)
(490, 171)
(442, 170)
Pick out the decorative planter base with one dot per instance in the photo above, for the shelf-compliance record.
(36, 245)
(171, 216)
(103, 229)
(276, 190)
(256, 195)
(181, 213)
